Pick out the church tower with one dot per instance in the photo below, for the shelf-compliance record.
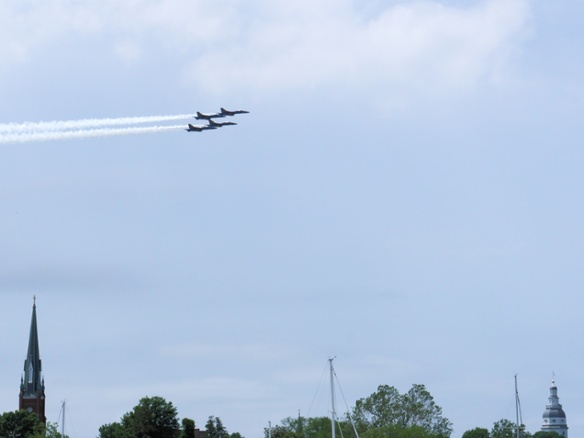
(32, 384)
(554, 418)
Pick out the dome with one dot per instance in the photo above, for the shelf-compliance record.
(555, 412)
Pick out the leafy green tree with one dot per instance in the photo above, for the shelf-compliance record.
(507, 429)
(21, 424)
(114, 430)
(546, 434)
(419, 409)
(477, 432)
(216, 429)
(320, 427)
(52, 431)
(380, 409)
(188, 428)
(386, 408)
(280, 431)
(210, 430)
(398, 432)
(313, 427)
(220, 429)
(153, 417)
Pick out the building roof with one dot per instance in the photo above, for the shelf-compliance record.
(32, 382)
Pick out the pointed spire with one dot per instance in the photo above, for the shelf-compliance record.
(32, 363)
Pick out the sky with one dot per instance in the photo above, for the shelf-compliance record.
(405, 195)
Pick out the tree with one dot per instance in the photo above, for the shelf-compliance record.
(419, 409)
(398, 432)
(507, 429)
(153, 417)
(320, 427)
(477, 432)
(210, 431)
(215, 429)
(52, 431)
(380, 409)
(114, 430)
(301, 427)
(546, 434)
(220, 429)
(22, 424)
(188, 428)
(280, 431)
(386, 408)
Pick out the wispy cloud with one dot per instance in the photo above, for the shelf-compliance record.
(264, 46)
(423, 45)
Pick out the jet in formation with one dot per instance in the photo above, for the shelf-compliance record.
(212, 123)
(199, 128)
(232, 113)
(208, 116)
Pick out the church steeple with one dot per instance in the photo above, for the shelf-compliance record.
(32, 385)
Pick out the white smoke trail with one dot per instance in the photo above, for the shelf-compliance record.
(30, 127)
(84, 133)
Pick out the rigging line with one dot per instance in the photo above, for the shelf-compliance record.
(346, 406)
(317, 390)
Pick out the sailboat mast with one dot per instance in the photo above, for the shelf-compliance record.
(517, 407)
(63, 424)
(332, 398)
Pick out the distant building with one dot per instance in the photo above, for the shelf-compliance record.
(554, 418)
(32, 384)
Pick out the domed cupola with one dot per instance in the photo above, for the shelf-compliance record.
(554, 417)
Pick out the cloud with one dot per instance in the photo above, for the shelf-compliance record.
(423, 45)
(266, 46)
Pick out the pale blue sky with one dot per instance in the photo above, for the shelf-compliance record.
(405, 194)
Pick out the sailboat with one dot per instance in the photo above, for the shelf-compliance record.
(333, 412)
(62, 416)
(518, 425)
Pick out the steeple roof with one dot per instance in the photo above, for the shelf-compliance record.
(32, 383)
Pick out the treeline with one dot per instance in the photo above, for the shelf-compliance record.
(388, 414)
(385, 413)
(507, 429)
(154, 417)
(26, 424)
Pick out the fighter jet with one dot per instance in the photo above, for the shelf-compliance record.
(199, 128)
(208, 116)
(215, 124)
(225, 112)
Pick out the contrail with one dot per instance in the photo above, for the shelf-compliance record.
(83, 133)
(30, 127)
